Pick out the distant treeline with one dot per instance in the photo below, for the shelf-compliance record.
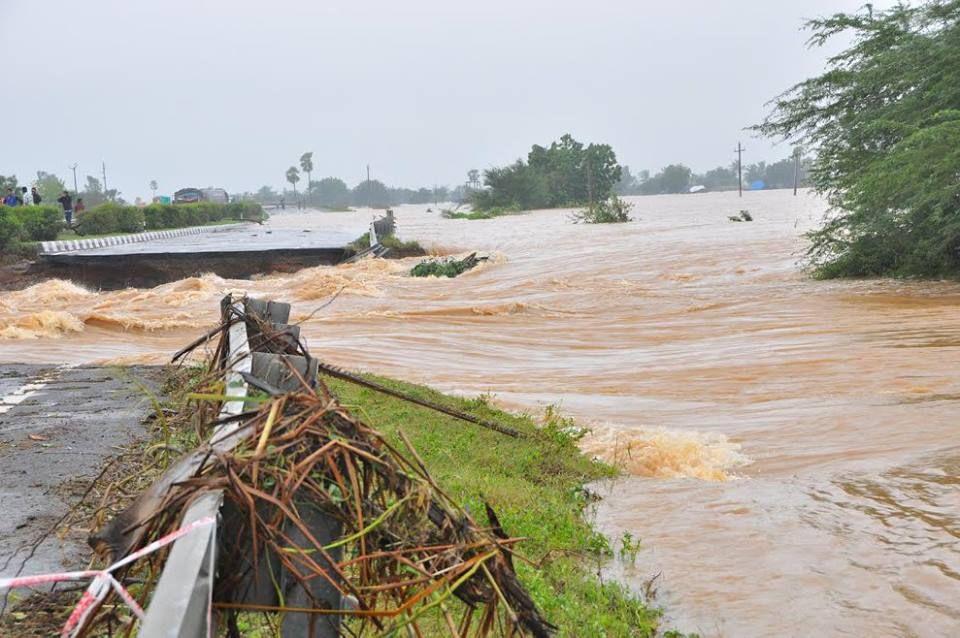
(334, 194)
(677, 178)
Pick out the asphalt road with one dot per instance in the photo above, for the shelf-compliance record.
(59, 425)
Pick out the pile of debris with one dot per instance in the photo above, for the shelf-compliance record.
(326, 528)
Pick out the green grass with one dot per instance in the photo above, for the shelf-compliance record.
(536, 487)
(489, 213)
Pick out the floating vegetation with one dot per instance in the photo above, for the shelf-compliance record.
(446, 267)
(744, 216)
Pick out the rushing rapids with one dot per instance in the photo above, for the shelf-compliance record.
(790, 442)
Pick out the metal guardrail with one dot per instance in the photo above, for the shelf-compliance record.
(181, 605)
(182, 602)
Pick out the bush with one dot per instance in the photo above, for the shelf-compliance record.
(160, 216)
(10, 229)
(38, 223)
(110, 218)
(445, 267)
(611, 211)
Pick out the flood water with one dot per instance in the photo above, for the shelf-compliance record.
(791, 444)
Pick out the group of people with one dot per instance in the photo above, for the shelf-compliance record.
(19, 196)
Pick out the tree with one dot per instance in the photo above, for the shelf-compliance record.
(293, 176)
(93, 193)
(564, 174)
(672, 179)
(884, 122)
(473, 179)
(371, 193)
(266, 195)
(306, 165)
(50, 186)
(7, 182)
(331, 192)
(153, 187)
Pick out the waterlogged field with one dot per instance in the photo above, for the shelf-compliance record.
(790, 443)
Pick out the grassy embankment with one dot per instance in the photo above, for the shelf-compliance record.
(536, 486)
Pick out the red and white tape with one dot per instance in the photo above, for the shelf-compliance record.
(103, 581)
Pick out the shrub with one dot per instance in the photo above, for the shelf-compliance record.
(10, 229)
(37, 223)
(110, 218)
(611, 211)
(445, 267)
(182, 215)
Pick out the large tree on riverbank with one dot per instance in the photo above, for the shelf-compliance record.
(884, 122)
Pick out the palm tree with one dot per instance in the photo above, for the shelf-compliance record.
(293, 176)
(306, 165)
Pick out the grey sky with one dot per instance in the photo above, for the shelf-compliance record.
(231, 92)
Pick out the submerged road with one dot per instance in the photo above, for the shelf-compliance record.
(58, 427)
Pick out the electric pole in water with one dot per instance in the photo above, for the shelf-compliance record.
(74, 169)
(740, 151)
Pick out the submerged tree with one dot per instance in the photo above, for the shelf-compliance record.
(884, 122)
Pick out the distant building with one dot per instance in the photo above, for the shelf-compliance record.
(194, 195)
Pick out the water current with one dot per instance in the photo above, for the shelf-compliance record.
(791, 444)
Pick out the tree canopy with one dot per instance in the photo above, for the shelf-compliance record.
(884, 121)
(567, 173)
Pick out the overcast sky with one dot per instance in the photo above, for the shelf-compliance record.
(230, 92)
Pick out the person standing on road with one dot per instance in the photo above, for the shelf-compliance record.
(67, 202)
(78, 208)
(35, 195)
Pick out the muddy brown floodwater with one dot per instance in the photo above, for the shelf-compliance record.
(792, 444)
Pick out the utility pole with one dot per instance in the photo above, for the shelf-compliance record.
(740, 151)
(103, 165)
(74, 169)
(796, 169)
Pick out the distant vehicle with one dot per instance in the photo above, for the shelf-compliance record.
(700, 188)
(194, 195)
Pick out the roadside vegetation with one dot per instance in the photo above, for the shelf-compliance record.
(885, 121)
(25, 224)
